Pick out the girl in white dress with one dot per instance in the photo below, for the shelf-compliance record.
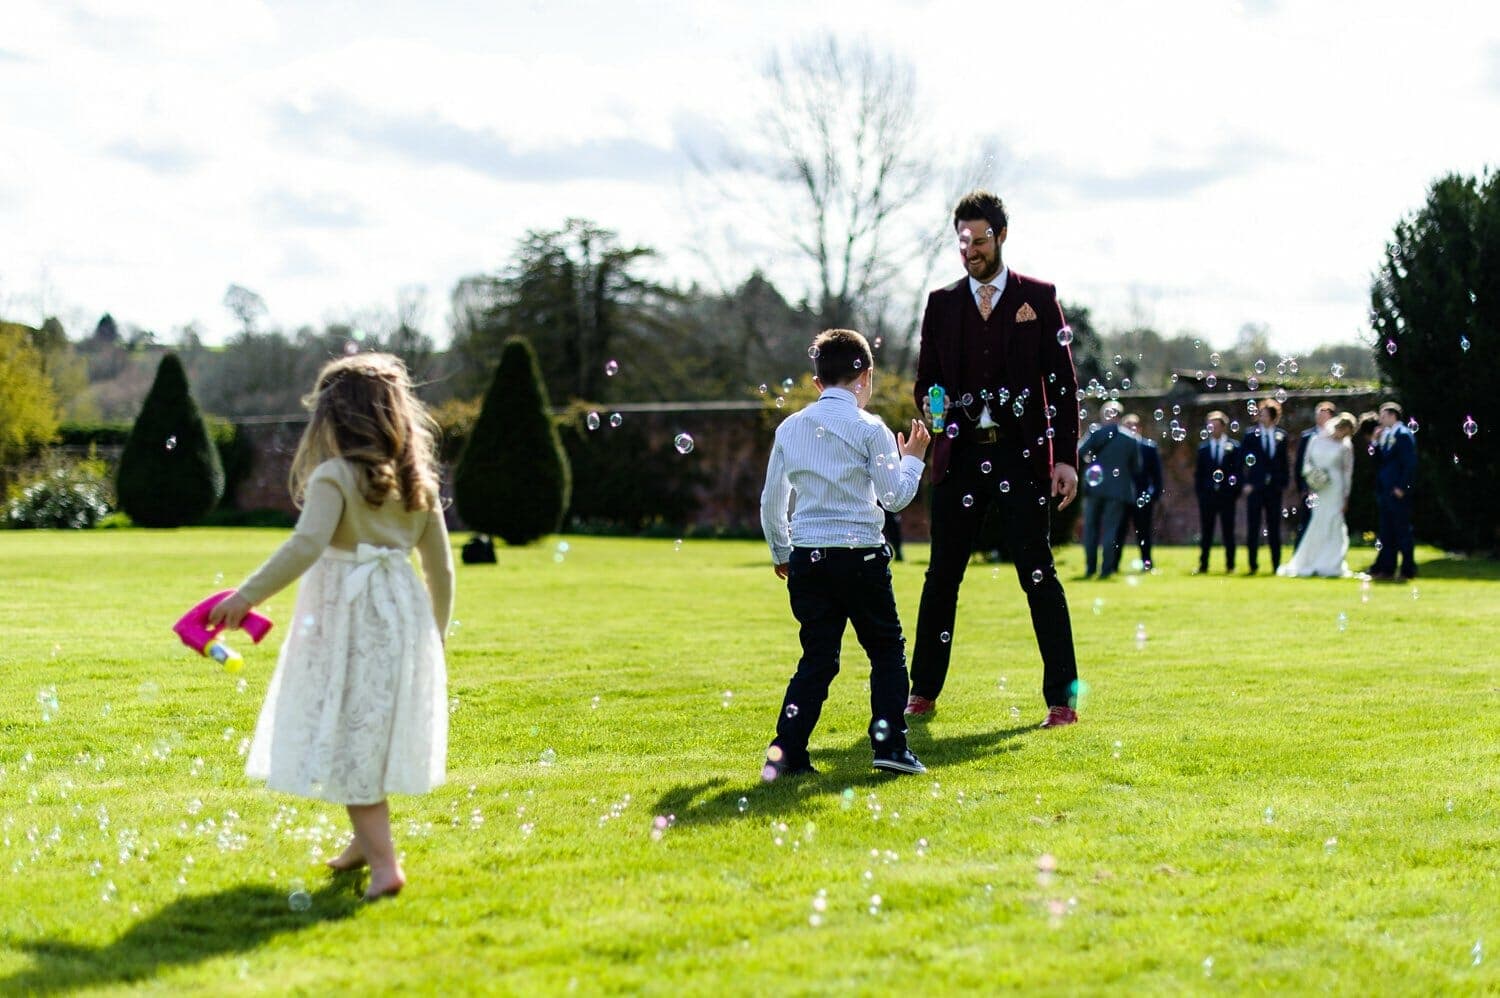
(1329, 468)
(358, 706)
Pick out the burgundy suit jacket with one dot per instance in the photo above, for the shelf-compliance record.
(1034, 361)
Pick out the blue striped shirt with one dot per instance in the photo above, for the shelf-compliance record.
(843, 465)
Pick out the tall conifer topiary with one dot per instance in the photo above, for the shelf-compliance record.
(513, 478)
(170, 474)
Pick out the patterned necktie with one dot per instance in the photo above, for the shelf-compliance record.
(986, 300)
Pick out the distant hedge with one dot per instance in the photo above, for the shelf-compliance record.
(235, 453)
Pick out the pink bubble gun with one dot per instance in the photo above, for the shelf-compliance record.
(195, 632)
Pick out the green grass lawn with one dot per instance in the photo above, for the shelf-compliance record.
(1290, 785)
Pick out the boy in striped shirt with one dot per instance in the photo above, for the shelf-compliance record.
(845, 468)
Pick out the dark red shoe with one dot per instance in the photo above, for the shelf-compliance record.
(1059, 716)
(920, 706)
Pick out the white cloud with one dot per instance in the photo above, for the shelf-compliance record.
(1211, 163)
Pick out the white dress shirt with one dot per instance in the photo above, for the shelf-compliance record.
(998, 281)
(843, 465)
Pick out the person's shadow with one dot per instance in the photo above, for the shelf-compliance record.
(848, 767)
(187, 931)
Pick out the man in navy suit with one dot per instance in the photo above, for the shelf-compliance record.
(1265, 477)
(1148, 484)
(1217, 482)
(1112, 455)
(1395, 477)
(997, 343)
(1321, 415)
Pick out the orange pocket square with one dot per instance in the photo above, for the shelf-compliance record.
(1025, 313)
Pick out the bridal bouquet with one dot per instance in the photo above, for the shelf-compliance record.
(1317, 477)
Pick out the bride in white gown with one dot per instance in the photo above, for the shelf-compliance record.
(1329, 469)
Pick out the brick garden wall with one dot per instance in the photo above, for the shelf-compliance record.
(732, 444)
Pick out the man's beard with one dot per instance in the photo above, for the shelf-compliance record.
(987, 276)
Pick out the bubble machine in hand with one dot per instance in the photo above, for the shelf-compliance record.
(937, 406)
(197, 634)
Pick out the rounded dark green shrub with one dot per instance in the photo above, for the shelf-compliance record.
(513, 478)
(170, 474)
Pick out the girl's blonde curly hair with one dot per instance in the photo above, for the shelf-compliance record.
(364, 410)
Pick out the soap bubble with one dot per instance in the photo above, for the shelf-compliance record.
(763, 388)
(945, 637)
(615, 419)
(1005, 486)
(952, 431)
(1337, 370)
(792, 710)
(1463, 343)
(984, 467)
(812, 353)
(684, 443)
(1036, 577)
(299, 900)
(882, 730)
(171, 443)
(968, 501)
(1094, 476)
(611, 368)
(1470, 427)
(592, 420)
(787, 384)
(1390, 347)
(1065, 335)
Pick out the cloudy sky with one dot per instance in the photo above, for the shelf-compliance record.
(1209, 164)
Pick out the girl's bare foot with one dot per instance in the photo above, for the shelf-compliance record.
(352, 858)
(385, 884)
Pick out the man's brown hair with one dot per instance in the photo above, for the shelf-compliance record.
(981, 204)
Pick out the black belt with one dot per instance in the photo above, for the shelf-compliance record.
(982, 435)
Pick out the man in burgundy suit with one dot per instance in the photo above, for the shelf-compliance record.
(997, 344)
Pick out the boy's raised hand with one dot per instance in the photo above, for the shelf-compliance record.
(914, 445)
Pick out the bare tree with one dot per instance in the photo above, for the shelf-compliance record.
(246, 306)
(852, 151)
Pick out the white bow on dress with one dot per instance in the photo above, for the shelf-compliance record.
(368, 558)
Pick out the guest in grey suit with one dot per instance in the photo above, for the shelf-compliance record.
(1111, 459)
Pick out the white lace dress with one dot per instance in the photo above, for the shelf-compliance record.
(1329, 469)
(357, 708)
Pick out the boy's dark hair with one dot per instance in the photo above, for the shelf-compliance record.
(1269, 405)
(981, 204)
(1392, 407)
(840, 356)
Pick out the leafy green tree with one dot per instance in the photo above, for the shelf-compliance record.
(577, 295)
(1435, 312)
(513, 479)
(28, 409)
(170, 474)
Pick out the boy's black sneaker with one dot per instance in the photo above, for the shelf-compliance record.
(776, 770)
(901, 761)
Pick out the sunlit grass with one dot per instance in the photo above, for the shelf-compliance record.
(1259, 797)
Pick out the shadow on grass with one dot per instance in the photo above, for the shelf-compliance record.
(187, 931)
(1456, 568)
(838, 769)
